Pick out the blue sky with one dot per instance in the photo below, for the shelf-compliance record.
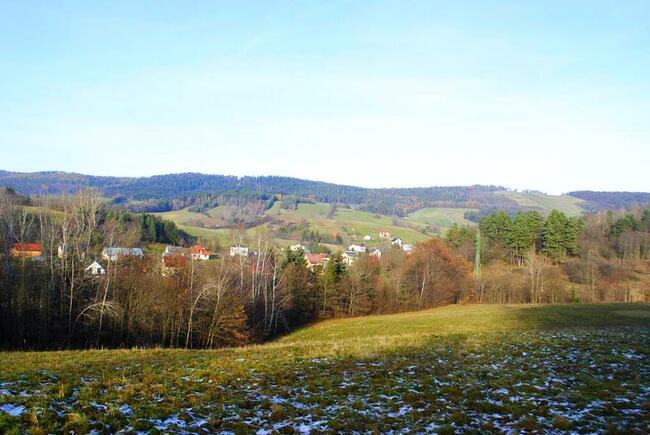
(553, 96)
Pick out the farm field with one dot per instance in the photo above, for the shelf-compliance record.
(487, 368)
(440, 217)
(545, 203)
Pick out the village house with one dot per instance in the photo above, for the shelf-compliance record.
(408, 248)
(115, 253)
(384, 235)
(241, 251)
(349, 257)
(375, 253)
(172, 264)
(198, 252)
(360, 248)
(367, 237)
(314, 260)
(26, 250)
(174, 250)
(95, 269)
(397, 242)
(297, 247)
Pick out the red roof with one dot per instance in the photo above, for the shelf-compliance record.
(174, 261)
(316, 258)
(27, 247)
(198, 249)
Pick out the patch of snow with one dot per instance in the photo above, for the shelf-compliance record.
(13, 410)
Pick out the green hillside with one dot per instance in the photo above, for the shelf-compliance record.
(490, 368)
(351, 224)
(545, 203)
(440, 218)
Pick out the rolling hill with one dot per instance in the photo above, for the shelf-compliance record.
(209, 206)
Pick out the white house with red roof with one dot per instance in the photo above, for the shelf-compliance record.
(198, 252)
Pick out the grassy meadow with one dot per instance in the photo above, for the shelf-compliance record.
(570, 205)
(440, 217)
(347, 222)
(487, 368)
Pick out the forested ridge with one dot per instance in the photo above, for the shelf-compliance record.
(174, 191)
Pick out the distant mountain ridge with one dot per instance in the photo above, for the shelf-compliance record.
(172, 191)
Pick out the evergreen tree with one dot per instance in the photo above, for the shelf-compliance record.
(560, 235)
(553, 235)
(496, 227)
(296, 258)
(520, 237)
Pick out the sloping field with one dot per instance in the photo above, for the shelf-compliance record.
(545, 203)
(440, 217)
(563, 368)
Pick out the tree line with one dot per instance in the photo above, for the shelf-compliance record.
(528, 257)
(53, 302)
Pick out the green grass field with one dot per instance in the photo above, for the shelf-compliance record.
(440, 217)
(456, 369)
(545, 203)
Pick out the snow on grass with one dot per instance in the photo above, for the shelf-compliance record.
(13, 410)
(577, 380)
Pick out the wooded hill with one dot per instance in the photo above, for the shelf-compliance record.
(176, 191)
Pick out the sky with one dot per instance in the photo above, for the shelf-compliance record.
(550, 95)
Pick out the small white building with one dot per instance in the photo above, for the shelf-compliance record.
(349, 257)
(359, 248)
(408, 248)
(297, 247)
(397, 242)
(198, 252)
(367, 237)
(95, 269)
(375, 253)
(114, 254)
(384, 235)
(174, 250)
(241, 251)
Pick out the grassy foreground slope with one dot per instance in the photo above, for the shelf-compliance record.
(580, 368)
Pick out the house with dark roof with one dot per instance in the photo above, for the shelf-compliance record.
(117, 253)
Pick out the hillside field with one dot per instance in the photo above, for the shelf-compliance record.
(477, 368)
(544, 203)
(440, 217)
(351, 224)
